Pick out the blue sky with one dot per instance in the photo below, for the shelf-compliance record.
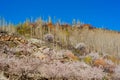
(99, 13)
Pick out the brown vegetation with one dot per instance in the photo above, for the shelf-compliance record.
(42, 50)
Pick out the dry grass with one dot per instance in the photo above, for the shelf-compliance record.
(33, 61)
(97, 40)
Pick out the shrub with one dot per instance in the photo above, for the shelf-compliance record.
(24, 29)
(49, 37)
(116, 75)
(82, 48)
(74, 70)
(88, 60)
(94, 56)
(100, 63)
(33, 68)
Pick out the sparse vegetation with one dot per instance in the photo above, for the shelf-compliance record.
(45, 51)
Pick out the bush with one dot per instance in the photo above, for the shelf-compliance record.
(116, 75)
(49, 37)
(24, 29)
(82, 48)
(88, 60)
(34, 68)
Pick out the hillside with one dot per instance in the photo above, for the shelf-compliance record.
(45, 51)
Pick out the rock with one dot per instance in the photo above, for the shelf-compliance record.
(36, 42)
(46, 51)
(7, 38)
(23, 41)
(33, 40)
(42, 48)
(42, 56)
(39, 55)
(2, 38)
(15, 38)
(19, 39)
(2, 76)
(12, 38)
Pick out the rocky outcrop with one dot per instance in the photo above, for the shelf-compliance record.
(4, 36)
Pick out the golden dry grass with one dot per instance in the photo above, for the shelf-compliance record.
(97, 40)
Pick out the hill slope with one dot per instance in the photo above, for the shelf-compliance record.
(40, 51)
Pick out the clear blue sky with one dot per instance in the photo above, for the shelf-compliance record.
(99, 13)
